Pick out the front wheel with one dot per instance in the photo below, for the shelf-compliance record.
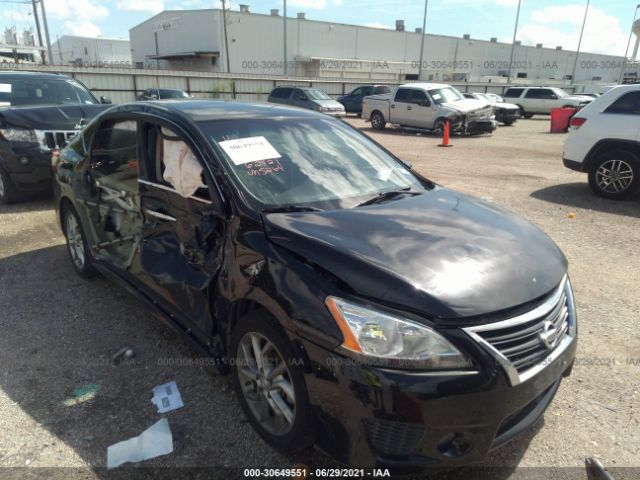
(7, 190)
(438, 127)
(269, 382)
(615, 175)
(77, 244)
(509, 123)
(377, 121)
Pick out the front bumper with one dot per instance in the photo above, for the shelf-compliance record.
(367, 416)
(36, 175)
(481, 126)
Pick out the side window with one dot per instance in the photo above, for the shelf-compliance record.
(403, 95)
(381, 90)
(418, 96)
(357, 92)
(281, 93)
(533, 93)
(114, 155)
(628, 104)
(366, 91)
(175, 164)
(547, 94)
(513, 93)
(78, 147)
(299, 95)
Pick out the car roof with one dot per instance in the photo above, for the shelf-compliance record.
(34, 75)
(425, 86)
(204, 110)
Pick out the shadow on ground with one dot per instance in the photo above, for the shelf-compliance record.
(59, 333)
(579, 195)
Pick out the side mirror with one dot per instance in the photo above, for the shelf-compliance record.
(105, 100)
(424, 103)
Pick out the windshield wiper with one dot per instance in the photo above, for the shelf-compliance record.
(381, 197)
(291, 209)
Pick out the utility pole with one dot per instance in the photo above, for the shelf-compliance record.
(626, 52)
(513, 45)
(286, 69)
(584, 22)
(46, 31)
(226, 40)
(37, 19)
(423, 37)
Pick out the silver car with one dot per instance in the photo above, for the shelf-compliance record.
(309, 98)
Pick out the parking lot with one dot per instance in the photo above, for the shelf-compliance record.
(59, 332)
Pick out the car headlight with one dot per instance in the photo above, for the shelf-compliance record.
(393, 340)
(18, 135)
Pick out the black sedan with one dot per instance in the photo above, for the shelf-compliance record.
(357, 305)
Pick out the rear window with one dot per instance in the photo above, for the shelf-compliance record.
(281, 93)
(513, 92)
(628, 104)
(381, 90)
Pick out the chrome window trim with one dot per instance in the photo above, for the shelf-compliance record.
(516, 378)
(159, 215)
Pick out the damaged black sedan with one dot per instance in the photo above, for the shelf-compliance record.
(358, 306)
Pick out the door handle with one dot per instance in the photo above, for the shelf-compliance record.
(159, 215)
(409, 107)
(393, 106)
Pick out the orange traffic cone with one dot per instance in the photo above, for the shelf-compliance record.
(446, 135)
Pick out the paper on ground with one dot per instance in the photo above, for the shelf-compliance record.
(153, 442)
(167, 397)
(250, 149)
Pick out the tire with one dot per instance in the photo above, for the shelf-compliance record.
(258, 395)
(509, 123)
(615, 174)
(377, 121)
(438, 127)
(77, 246)
(527, 115)
(7, 189)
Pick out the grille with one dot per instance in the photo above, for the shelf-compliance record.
(393, 438)
(51, 139)
(526, 344)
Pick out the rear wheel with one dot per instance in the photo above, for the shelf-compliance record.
(377, 121)
(269, 382)
(527, 115)
(508, 123)
(615, 175)
(77, 244)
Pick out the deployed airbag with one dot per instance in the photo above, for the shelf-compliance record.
(182, 169)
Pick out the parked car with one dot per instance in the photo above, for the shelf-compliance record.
(506, 113)
(429, 106)
(353, 102)
(358, 305)
(39, 112)
(495, 97)
(163, 94)
(604, 141)
(541, 100)
(308, 98)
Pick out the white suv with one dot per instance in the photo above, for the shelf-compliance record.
(532, 100)
(604, 141)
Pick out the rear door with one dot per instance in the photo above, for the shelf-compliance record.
(401, 106)
(300, 99)
(622, 118)
(182, 229)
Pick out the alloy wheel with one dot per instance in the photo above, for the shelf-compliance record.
(614, 176)
(75, 241)
(266, 383)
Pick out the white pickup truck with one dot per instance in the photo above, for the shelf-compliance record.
(428, 106)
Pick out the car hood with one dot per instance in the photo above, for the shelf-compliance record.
(580, 98)
(467, 105)
(443, 254)
(328, 103)
(50, 117)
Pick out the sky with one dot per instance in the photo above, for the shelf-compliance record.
(550, 22)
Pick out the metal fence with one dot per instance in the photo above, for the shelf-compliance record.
(124, 85)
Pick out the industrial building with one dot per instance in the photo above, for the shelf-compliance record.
(91, 52)
(195, 40)
(16, 48)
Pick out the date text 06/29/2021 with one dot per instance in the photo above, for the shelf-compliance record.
(301, 472)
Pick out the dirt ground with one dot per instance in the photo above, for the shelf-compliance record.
(59, 332)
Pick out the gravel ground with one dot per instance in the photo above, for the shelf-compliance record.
(59, 333)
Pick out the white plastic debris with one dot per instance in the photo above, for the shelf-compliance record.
(181, 168)
(153, 442)
(167, 397)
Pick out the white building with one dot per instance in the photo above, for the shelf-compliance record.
(195, 40)
(91, 52)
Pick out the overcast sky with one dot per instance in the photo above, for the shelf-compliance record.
(551, 22)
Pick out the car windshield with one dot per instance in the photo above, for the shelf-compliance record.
(173, 94)
(293, 161)
(318, 95)
(445, 95)
(26, 92)
(560, 93)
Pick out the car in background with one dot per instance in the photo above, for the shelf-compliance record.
(495, 97)
(39, 113)
(429, 106)
(163, 94)
(604, 142)
(308, 98)
(506, 113)
(357, 305)
(353, 101)
(541, 100)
